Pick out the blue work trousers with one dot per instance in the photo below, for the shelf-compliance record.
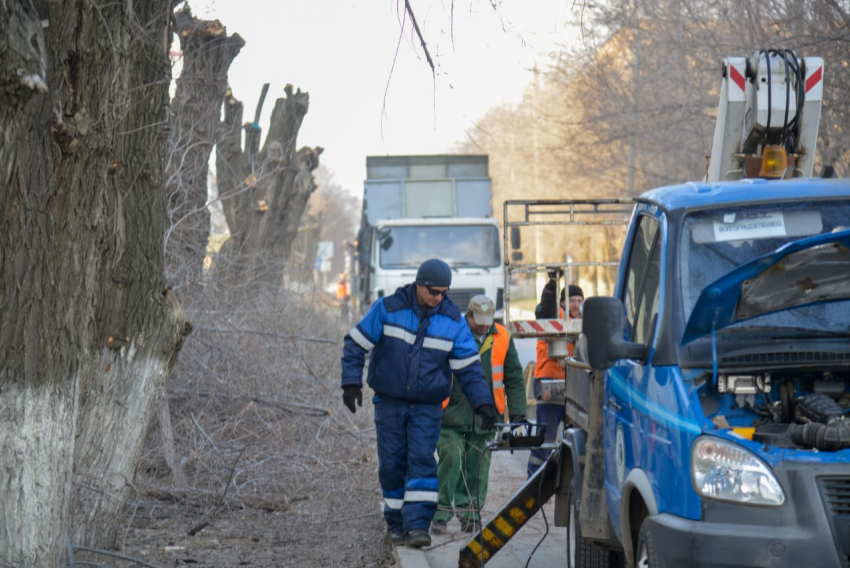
(407, 469)
(552, 415)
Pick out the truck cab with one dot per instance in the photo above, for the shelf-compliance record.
(470, 246)
(727, 376)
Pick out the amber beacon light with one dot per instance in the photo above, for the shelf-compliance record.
(774, 162)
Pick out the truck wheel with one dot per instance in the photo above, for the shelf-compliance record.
(645, 557)
(584, 553)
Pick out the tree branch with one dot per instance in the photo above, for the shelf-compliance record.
(409, 10)
(112, 554)
(199, 527)
(268, 333)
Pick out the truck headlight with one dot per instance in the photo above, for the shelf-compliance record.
(727, 472)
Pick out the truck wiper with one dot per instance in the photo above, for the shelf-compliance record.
(803, 332)
(479, 264)
(772, 332)
(401, 265)
(453, 264)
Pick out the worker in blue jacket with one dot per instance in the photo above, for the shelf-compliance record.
(417, 338)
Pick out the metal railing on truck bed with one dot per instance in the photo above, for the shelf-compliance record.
(554, 212)
(571, 214)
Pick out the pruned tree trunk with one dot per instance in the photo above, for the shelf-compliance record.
(265, 192)
(87, 328)
(207, 54)
(138, 323)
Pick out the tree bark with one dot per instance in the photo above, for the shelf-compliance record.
(207, 54)
(87, 331)
(138, 323)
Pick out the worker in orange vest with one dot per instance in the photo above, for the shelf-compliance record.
(463, 467)
(342, 294)
(552, 415)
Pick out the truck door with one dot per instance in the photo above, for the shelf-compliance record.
(627, 380)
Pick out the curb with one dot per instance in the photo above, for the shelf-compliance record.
(410, 557)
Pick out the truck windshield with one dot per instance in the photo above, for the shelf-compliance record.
(716, 241)
(458, 245)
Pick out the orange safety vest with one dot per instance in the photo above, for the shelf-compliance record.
(501, 340)
(342, 290)
(546, 367)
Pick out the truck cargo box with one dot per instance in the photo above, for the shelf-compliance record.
(398, 187)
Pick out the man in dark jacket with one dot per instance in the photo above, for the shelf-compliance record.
(464, 461)
(417, 339)
(547, 368)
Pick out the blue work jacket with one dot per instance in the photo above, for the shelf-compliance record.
(414, 351)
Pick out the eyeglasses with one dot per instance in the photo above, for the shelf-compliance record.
(435, 292)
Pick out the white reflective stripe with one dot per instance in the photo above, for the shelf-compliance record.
(458, 364)
(439, 344)
(534, 460)
(399, 333)
(360, 339)
(498, 384)
(498, 369)
(418, 496)
(393, 503)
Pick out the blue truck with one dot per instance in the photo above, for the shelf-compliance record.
(723, 365)
(708, 397)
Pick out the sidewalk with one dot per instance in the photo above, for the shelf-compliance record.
(507, 474)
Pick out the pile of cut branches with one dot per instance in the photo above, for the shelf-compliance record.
(254, 458)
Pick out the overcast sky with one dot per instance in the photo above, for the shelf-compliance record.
(368, 98)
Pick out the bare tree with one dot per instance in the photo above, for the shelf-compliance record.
(264, 191)
(207, 53)
(87, 327)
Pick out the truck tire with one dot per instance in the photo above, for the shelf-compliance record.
(584, 553)
(645, 557)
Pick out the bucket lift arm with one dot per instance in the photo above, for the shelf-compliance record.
(769, 99)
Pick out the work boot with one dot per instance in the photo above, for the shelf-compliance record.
(439, 527)
(468, 526)
(417, 538)
(398, 537)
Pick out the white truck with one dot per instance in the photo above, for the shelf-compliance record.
(421, 207)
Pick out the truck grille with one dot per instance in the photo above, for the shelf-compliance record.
(835, 491)
(788, 357)
(461, 296)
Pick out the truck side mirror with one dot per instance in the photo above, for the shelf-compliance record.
(602, 325)
(515, 242)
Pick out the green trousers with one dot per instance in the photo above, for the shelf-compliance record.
(462, 473)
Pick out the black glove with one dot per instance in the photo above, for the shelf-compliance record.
(488, 415)
(349, 395)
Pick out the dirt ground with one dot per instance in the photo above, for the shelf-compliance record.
(259, 463)
(252, 536)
